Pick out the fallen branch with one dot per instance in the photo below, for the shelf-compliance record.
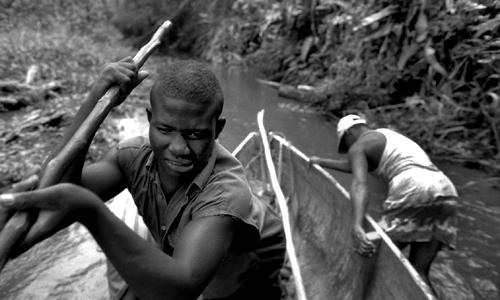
(302, 93)
(32, 122)
(299, 94)
(15, 95)
(11, 86)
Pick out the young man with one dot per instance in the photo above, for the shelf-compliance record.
(420, 208)
(214, 237)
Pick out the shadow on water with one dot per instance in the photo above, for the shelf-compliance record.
(56, 268)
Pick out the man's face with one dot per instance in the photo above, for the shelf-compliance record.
(182, 134)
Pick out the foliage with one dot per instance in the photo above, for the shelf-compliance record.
(430, 69)
(55, 36)
(447, 62)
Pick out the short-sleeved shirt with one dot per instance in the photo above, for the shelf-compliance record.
(220, 189)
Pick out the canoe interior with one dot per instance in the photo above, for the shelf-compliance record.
(320, 217)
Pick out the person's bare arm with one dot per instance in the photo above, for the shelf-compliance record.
(359, 197)
(151, 274)
(342, 165)
(123, 74)
(104, 178)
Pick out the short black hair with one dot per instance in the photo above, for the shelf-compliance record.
(190, 80)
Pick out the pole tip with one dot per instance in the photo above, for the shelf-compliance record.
(166, 24)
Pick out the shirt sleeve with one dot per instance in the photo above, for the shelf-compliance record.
(127, 152)
(231, 196)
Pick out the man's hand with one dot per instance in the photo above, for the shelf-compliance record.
(21, 186)
(58, 206)
(314, 160)
(122, 73)
(362, 244)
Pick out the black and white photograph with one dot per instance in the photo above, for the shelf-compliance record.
(250, 150)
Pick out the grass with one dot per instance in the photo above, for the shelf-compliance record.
(58, 40)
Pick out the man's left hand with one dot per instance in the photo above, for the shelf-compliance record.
(21, 186)
(362, 244)
(58, 206)
(314, 160)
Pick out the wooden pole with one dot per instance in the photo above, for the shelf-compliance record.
(19, 223)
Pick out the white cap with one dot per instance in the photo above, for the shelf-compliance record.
(343, 125)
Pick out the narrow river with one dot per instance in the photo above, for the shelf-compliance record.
(71, 266)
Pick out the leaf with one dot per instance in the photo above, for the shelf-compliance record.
(306, 48)
(430, 56)
(343, 4)
(421, 26)
(488, 26)
(407, 53)
(382, 32)
(450, 6)
(414, 101)
(495, 100)
(389, 10)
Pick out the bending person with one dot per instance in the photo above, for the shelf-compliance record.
(420, 208)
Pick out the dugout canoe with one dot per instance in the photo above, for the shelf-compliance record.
(319, 213)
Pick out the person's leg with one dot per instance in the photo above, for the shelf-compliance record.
(421, 256)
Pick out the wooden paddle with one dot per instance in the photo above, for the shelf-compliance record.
(17, 226)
